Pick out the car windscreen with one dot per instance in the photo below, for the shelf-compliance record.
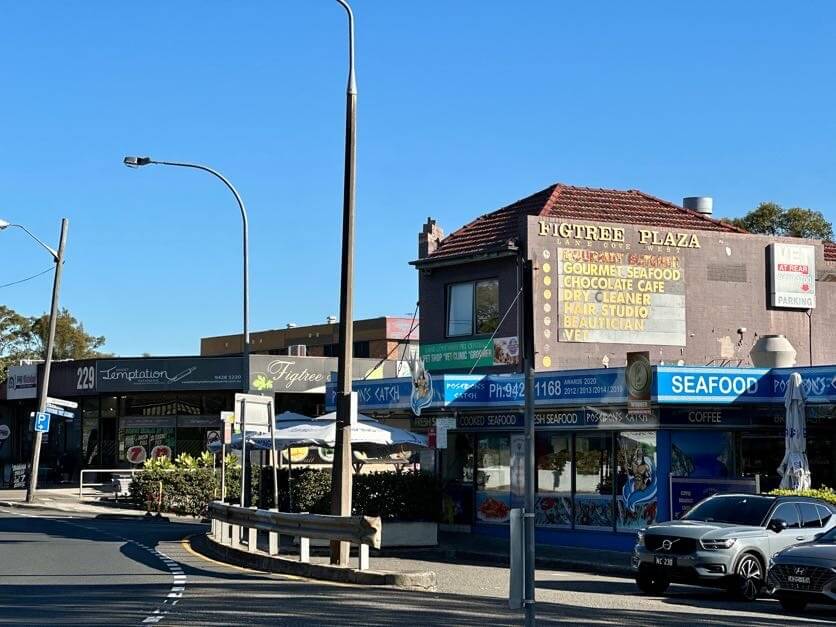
(830, 536)
(734, 510)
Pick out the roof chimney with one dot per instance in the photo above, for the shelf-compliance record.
(429, 238)
(700, 204)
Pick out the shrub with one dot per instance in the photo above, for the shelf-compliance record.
(823, 493)
(408, 496)
(186, 486)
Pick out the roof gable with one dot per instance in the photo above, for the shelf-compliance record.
(492, 232)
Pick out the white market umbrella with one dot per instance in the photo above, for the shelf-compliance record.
(368, 435)
(794, 468)
(284, 421)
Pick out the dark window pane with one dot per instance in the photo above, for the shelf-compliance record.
(460, 309)
(809, 515)
(553, 455)
(789, 513)
(361, 349)
(487, 306)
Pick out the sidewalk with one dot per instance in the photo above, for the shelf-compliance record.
(479, 549)
(66, 500)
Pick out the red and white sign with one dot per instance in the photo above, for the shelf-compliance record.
(793, 276)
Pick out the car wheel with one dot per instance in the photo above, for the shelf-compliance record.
(651, 581)
(748, 579)
(792, 604)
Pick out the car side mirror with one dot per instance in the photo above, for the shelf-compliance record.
(818, 535)
(777, 525)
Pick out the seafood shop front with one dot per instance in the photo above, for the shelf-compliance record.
(606, 465)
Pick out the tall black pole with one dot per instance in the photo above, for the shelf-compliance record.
(341, 472)
(50, 343)
(527, 344)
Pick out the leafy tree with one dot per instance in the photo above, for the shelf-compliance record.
(23, 337)
(71, 340)
(769, 218)
(15, 339)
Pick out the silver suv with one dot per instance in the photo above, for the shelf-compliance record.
(727, 541)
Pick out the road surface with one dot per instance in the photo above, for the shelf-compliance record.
(82, 570)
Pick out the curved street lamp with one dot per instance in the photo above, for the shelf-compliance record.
(137, 162)
(58, 258)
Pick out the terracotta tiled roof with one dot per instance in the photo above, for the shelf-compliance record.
(492, 231)
(829, 251)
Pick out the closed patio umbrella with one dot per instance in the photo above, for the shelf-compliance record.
(794, 468)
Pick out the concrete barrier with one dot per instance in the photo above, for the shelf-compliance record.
(258, 560)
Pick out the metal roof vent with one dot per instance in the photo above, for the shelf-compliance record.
(331, 319)
(700, 204)
(291, 325)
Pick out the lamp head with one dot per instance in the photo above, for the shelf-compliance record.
(3, 224)
(136, 162)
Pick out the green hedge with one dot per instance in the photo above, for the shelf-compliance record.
(825, 494)
(406, 496)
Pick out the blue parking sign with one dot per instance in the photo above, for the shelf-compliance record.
(42, 422)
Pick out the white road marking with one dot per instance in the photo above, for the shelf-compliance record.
(176, 571)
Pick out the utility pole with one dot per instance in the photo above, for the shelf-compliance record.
(50, 343)
(346, 407)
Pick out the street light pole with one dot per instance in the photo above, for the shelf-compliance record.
(346, 408)
(136, 162)
(58, 258)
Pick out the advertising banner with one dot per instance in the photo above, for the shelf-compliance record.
(175, 373)
(792, 276)
(468, 354)
(22, 382)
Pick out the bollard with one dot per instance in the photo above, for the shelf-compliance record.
(273, 539)
(304, 550)
(363, 557)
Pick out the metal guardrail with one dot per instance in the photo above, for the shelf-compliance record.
(229, 520)
(112, 471)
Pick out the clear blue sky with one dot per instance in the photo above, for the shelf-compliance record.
(463, 107)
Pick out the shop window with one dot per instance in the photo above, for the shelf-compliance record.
(136, 444)
(637, 479)
(109, 407)
(593, 507)
(457, 464)
(90, 408)
(702, 454)
(90, 448)
(553, 458)
(473, 308)
(788, 513)
(493, 478)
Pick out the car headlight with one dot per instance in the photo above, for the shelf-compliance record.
(718, 544)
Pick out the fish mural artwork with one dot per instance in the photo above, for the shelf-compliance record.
(641, 480)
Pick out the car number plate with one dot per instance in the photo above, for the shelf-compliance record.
(664, 560)
(799, 581)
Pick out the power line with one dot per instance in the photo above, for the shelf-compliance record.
(29, 278)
